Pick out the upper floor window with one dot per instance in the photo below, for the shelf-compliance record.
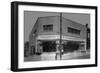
(48, 27)
(73, 30)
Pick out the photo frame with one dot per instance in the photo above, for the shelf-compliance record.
(52, 36)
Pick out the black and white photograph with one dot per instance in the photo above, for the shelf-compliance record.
(56, 36)
(53, 36)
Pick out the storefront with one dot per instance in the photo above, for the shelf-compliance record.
(48, 43)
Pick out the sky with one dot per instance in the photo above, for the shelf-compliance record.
(30, 18)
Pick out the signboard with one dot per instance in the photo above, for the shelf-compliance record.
(52, 37)
(48, 37)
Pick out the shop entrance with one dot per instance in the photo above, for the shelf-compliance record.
(49, 46)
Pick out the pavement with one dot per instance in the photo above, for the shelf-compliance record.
(51, 56)
(76, 55)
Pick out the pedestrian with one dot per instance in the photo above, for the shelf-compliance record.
(57, 52)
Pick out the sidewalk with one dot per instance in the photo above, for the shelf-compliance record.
(32, 58)
(48, 56)
(76, 55)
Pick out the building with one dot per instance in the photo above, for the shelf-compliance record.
(45, 35)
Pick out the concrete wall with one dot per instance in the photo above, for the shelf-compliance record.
(49, 20)
(69, 23)
(32, 36)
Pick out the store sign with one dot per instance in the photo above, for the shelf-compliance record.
(73, 38)
(49, 37)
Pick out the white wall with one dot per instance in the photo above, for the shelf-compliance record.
(5, 32)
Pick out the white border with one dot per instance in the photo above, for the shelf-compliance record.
(22, 64)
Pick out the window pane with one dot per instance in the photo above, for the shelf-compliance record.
(48, 27)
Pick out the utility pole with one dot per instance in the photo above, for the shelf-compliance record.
(60, 48)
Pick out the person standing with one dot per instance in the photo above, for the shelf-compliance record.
(57, 52)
